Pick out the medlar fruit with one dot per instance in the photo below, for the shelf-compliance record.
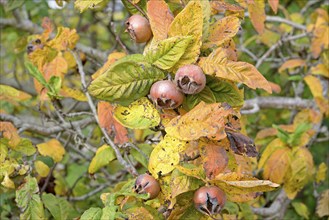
(165, 94)
(146, 183)
(190, 79)
(209, 200)
(139, 28)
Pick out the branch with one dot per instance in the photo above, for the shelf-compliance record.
(40, 129)
(28, 26)
(274, 208)
(91, 193)
(124, 163)
(254, 105)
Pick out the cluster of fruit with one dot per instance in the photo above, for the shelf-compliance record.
(167, 94)
(207, 199)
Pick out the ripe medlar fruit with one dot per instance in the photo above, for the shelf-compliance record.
(165, 94)
(139, 28)
(209, 200)
(146, 183)
(190, 79)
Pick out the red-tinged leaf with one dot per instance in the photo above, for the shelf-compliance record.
(274, 5)
(290, 64)
(10, 132)
(242, 144)
(214, 157)
(160, 18)
(275, 87)
(57, 67)
(106, 120)
(221, 5)
(48, 28)
(256, 10)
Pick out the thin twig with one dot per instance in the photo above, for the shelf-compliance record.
(131, 169)
(139, 9)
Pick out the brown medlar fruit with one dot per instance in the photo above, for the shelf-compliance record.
(190, 79)
(146, 183)
(139, 28)
(209, 200)
(165, 95)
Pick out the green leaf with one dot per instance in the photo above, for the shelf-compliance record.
(146, 149)
(301, 209)
(168, 52)
(246, 211)
(26, 147)
(104, 155)
(92, 214)
(140, 114)
(282, 134)
(109, 212)
(33, 70)
(13, 4)
(294, 139)
(225, 91)
(188, 22)
(27, 199)
(206, 8)
(55, 83)
(205, 95)
(230, 208)
(59, 207)
(127, 80)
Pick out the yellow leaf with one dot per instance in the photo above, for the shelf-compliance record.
(271, 147)
(110, 60)
(291, 64)
(7, 182)
(320, 69)
(245, 186)
(300, 172)
(165, 156)
(218, 65)
(315, 85)
(320, 38)
(65, 39)
(140, 114)
(41, 168)
(10, 94)
(301, 209)
(222, 30)
(269, 37)
(277, 165)
(160, 18)
(83, 5)
(138, 213)
(188, 22)
(322, 208)
(321, 173)
(42, 56)
(70, 60)
(204, 120)
(73, 93)
(104, 155)
(52, 148)
(10, 132)
(256, 9)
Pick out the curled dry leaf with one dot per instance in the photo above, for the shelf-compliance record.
(242, 144)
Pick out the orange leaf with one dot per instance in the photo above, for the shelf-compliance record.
(274, 5)
(214, 157)
(223, 30)
(48, 28)
(106, 120)
(220, 6)
(57, 67)
(275, 87)
(277, 165)
(110, 59)
(256, 10)
(204, 120)
(218, 65)
(10, 132)
(290, 64)
(320, 38)
(160, 18)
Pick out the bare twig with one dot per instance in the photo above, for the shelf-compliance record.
(40, 129)
(274, 208)
(254, 105)
(91, 193)
(139, 9)
(131, 169)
